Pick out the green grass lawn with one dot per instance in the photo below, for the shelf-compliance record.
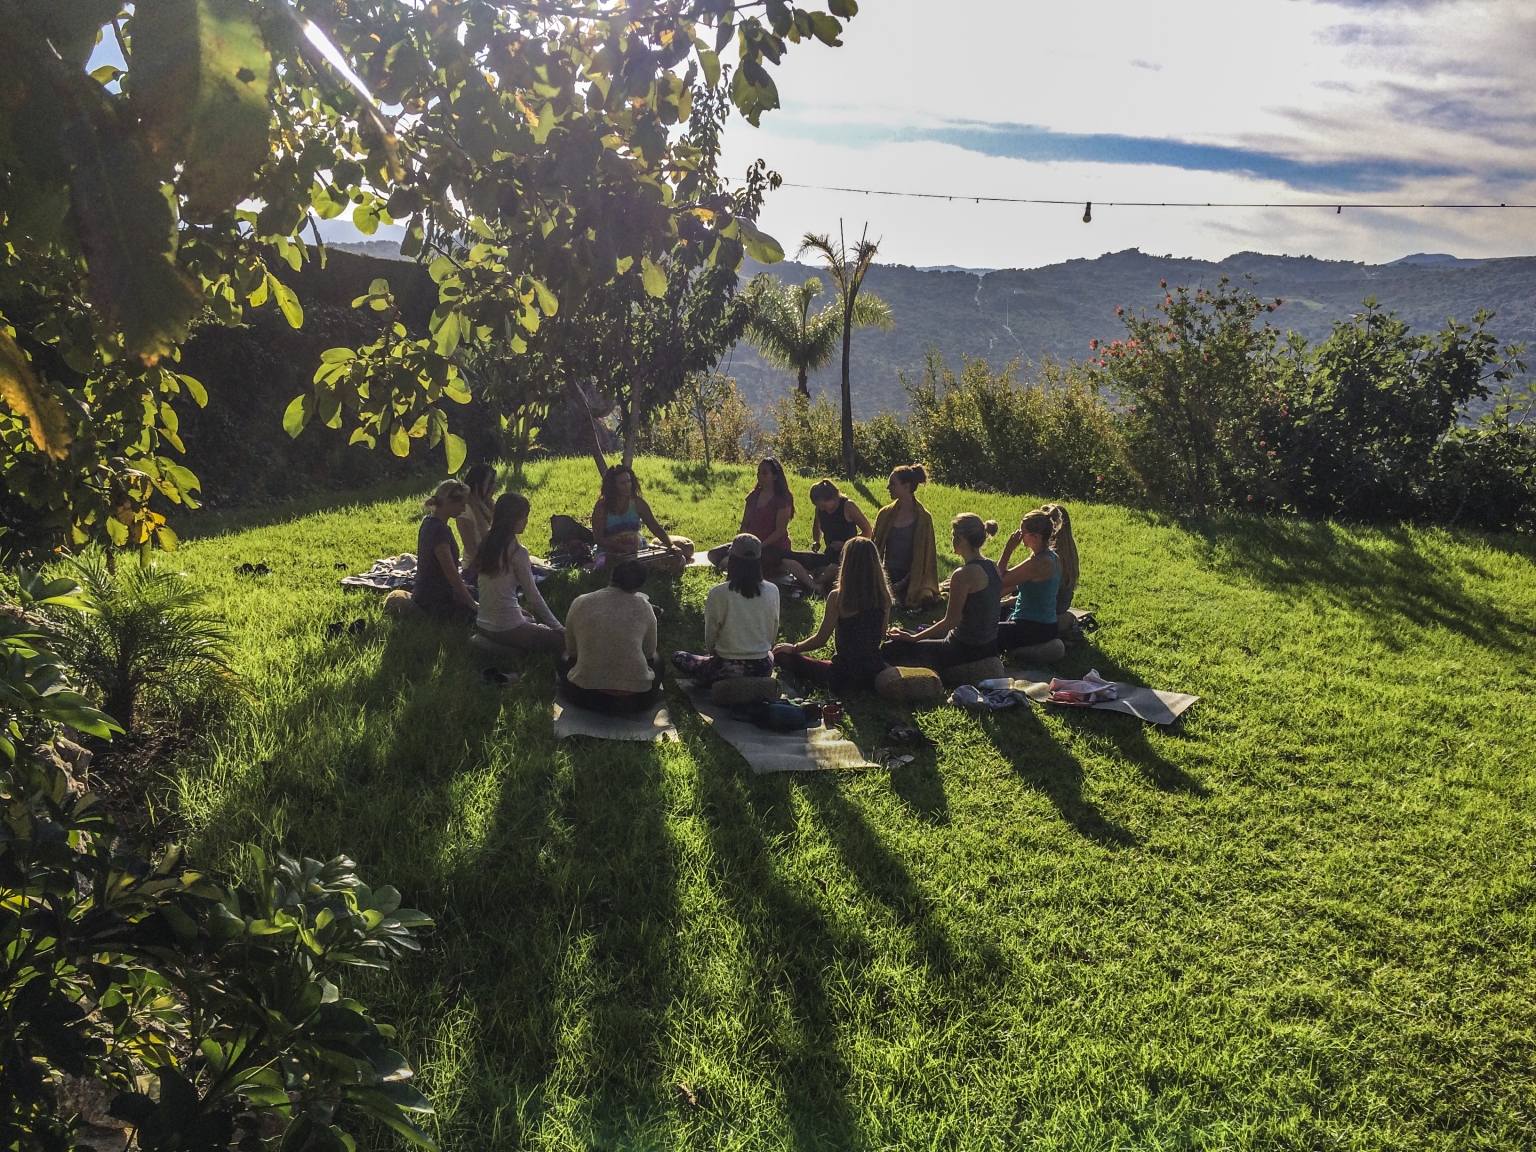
(1303, 918)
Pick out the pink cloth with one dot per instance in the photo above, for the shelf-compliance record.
(1091, 689)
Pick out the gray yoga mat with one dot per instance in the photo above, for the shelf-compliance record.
(1148, 704)
(640, 727)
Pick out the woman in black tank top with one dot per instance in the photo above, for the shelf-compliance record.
(837, 521)
(858, 610)
(968, 631)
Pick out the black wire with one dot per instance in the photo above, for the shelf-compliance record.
(1334, 204)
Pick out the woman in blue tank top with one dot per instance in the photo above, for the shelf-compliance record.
(618, 514)
(1037, 580)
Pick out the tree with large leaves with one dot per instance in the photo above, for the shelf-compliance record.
(847, 269)
(531, 150)
(788, 336)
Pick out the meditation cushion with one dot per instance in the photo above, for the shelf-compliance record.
(973, 673)
(745, 690)
(482, 641)
(399, 603)
(909, 685)
(1032, 654)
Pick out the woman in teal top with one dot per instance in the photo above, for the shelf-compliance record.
(1036, 580)
(618, 514)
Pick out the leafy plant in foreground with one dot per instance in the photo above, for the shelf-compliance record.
(118, 974)
(150, 640)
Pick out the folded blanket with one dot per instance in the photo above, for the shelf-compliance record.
(386, 575)
(1091, 689)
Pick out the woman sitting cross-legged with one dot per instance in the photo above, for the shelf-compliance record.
(968, 631)
(769, 509)
(617, 516)
(859, 610)
(741, 621)
(904, 535)
(837, 521)
(502, 566)
(1037, 580)
(479, 508)
(440, 589)
(610, 662)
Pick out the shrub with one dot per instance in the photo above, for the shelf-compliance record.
(1190, 386)
(1484, 475)
(983, 429)
(1357, 425)
(882, 443)
(807, 436)
(119, 974)
(709, 420)
(151, 641)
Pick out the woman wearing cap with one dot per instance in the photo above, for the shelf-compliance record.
(904, 535)
(741, 620)
(502, 567)
(440, 590)
(859, 610)
(769, 509)
(610, 662)
(968, 631)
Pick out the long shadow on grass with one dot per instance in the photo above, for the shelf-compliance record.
(791, 941)
(1388, 575)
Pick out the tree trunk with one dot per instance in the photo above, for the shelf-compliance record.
(847, 392)
(805, 389)
(597, 440)
(632, 424)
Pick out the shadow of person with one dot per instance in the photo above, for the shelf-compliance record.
(1127, 737)
(1042, 763)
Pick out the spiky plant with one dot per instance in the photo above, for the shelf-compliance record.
(151, 640)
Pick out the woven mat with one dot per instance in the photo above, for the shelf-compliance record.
(641, 727)
(819, 749)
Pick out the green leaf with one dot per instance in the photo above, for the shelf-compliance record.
(711, 63)
(365, 219)
(298, 413)
(759, 245)
(46, 422)
(547, 302)
(200, 85)
(288, 301)
(196, 390)
(654, 279)
(400, 441)
(127, 232)
(847, 9)
(826, 28)
(456, 452)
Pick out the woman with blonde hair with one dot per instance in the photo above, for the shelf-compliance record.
(502, 567)
(968, 631)
(859, 611)
(904, 536)
(440, 589)
(1038, 581)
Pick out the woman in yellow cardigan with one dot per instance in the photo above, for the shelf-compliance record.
(904, 535)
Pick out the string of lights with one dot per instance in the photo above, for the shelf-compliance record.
(1336, 206)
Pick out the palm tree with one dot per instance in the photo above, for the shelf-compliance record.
(789, 337)
(847, 270)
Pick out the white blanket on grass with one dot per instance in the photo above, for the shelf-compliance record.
(641, 727)
(1148, 704)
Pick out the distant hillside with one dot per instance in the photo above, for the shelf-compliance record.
(1058, 309)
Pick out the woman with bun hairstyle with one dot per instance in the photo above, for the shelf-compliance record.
(859, 611)
(968, 631)
(502, 567)
(440, 589)
(837, 521)
(1037, 581)
(904, 536)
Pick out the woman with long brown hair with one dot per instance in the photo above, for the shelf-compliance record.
(502, 567)
(769, 509)
(618, 514)
(858, 611)
(904, 535)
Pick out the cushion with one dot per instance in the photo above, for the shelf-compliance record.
(1031, 654)
(745, 690)
(973, 673)
(909, 685)
(399, 603)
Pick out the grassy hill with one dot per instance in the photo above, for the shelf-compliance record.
(1056, 310)
(1304, 918)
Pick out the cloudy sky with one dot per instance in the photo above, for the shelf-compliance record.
(1206, 100)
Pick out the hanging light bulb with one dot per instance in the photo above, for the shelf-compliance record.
(1088, 212)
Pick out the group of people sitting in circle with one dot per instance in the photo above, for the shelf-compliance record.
(608, 659)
